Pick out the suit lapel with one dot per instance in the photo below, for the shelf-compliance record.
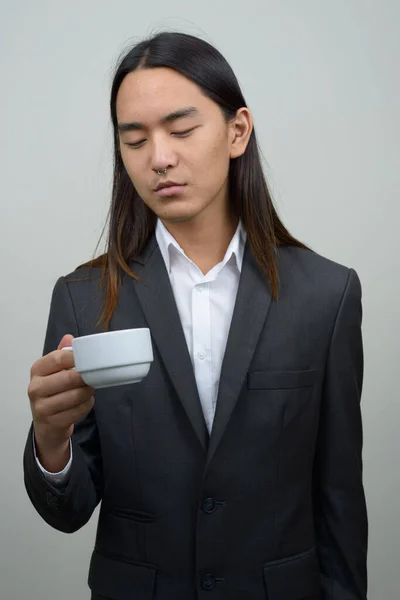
(155, 294)
(251, 307)
(156, 297)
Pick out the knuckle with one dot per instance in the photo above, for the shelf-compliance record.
(59, 358)
(33, 388)
(83, 408)
(33, 369)
(89, 392)
(40, 412)
(70, 379)
(89, 401)
(79, 397)
(67, 381)
(86, 407)
(74, 396)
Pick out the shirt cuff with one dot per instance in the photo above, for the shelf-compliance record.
(59, 478)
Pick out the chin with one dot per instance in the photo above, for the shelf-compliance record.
(177, 214)
(175, 219)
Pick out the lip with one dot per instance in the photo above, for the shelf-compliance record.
(168, 183)
(170, 189)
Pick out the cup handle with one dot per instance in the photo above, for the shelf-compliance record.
(69, 348)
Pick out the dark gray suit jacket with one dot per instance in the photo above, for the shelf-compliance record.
(269, 507)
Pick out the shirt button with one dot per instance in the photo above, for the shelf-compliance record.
(201, 355)
(208, 582)
(200, 288)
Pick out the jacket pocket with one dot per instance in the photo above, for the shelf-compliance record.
(280, 380)
(120, 579)
(294, 578)
(132, 514)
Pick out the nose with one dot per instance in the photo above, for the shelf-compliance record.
(162, 155)
(161, 170)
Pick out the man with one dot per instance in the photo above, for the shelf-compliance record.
(234, 469)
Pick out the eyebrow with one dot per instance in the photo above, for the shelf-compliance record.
(187, 111)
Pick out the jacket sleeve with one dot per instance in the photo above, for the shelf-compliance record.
(66, 508)
(340, 513)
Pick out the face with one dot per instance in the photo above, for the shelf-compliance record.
(165, 121)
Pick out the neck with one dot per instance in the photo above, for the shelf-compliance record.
(203, 242)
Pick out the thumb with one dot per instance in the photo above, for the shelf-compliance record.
(66, 341)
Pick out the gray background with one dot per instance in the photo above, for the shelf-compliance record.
(322, 81)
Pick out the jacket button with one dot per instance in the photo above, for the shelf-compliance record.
(208, 582)
(51, 500)
(209, 505)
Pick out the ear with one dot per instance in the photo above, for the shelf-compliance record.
(241, 127)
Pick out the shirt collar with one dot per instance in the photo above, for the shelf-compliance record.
(165, 241)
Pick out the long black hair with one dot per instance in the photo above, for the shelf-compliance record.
(132, 222)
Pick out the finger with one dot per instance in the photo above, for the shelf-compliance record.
(64, 419)
(66, 340)
(46, 408)
(55, 361)
(57, 383)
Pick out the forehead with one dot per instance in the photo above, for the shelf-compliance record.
(149, 94)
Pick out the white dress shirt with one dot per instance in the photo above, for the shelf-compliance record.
(205, 305)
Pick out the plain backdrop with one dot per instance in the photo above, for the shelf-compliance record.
(322, 81)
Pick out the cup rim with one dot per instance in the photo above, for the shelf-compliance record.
(116, 333)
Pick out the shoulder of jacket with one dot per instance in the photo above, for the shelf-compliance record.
(314, 273)
(312, 262)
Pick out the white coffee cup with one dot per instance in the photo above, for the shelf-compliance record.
(114, 357)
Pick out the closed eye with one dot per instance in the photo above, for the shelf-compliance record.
(183, 133)
(135, 144)
(175, 133)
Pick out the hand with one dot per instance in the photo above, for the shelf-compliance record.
(59, 398)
